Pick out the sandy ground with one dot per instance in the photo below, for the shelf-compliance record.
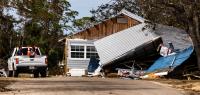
(86, 86)
(3, 83)
(189, 86)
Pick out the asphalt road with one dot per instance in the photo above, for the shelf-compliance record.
(86, 86)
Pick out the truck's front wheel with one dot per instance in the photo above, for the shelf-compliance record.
(36, 74)
(13, 73)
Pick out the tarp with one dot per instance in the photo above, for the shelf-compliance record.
(171, 61)
(93, 64)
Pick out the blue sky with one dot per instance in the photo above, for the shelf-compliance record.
(84, 6)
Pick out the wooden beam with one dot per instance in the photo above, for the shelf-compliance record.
(97, 27)
(111, 26)
(105, 23)
(113, 20)
(106, 26)
(88, 34)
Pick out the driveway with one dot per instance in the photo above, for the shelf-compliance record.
(86, 86)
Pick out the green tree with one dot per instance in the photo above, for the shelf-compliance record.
(41, 22)
(83, 23)
(111, 9)
(8, 37)
(44, 25)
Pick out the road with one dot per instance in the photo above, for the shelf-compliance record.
(86, 86)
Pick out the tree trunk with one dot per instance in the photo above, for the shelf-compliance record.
(194, 33)
(197, 51)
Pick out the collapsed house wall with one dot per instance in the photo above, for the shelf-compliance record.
(124, 43)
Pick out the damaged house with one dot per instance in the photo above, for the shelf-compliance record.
(80, 46)
(118, 40)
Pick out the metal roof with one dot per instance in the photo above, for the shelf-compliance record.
(117, 45)
(80, 41)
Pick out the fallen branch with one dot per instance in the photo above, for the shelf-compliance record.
(192, 75)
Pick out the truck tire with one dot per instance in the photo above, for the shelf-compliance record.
(10, 73)
(43, 73)
(36, 74)
(15, 73)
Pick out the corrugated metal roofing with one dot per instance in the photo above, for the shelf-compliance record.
(80, 41)
(114, 46)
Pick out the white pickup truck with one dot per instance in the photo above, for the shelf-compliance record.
(22, 61)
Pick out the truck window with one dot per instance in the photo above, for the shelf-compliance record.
(24, 51)
(20, 52)
(37, 51)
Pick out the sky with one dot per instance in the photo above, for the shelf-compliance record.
(84, 6)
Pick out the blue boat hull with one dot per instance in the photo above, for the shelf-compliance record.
(171, 61)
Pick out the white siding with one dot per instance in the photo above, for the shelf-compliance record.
(114, 46)
(78, 63)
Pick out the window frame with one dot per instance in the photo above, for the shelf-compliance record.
(122, 20)
(70, 56)
(85, 51)
(94, 52)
